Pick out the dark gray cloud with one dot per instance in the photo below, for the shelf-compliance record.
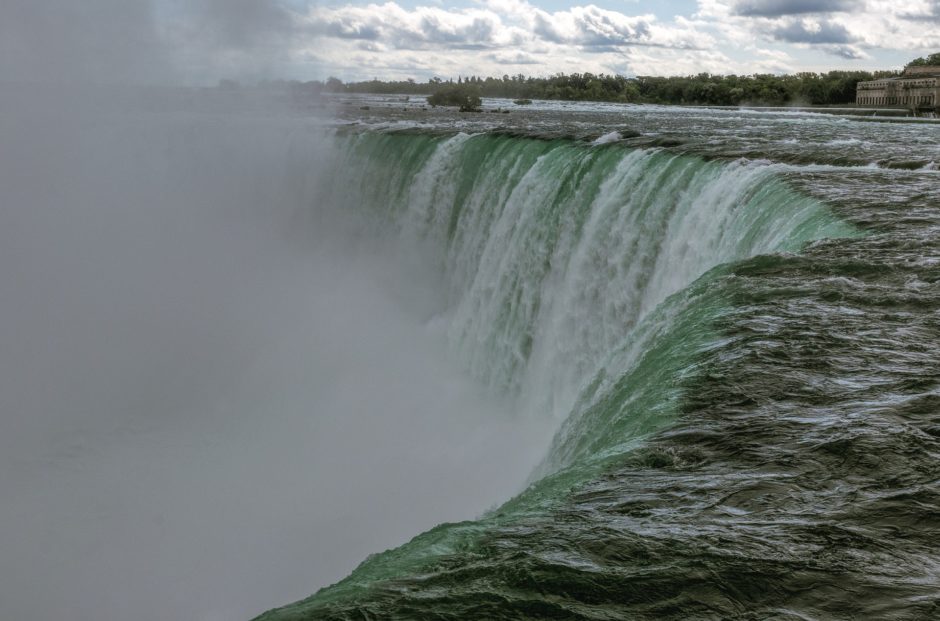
(932, 14)
(431, 30)
(845, 51)
(780, 8)
(827, 33)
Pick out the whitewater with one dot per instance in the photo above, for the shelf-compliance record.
(581, 361)
(728, 313)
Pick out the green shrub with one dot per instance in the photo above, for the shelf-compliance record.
(464, 96)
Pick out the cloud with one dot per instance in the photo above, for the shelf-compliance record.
(200, 41)
(396, 27)
(822, 32)
(850, 30)
(497, 25)
(849, 52)
(779, 8)
(929, 11)
(721, 36)
(591, 26)
(513, 58)
(492, 34)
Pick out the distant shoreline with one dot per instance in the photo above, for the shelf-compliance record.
(855, 113)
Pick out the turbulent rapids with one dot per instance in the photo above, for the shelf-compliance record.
(577, 361)
(738, 352)
(554, 253)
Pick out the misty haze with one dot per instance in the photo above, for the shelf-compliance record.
(492, 310)
(212, 384)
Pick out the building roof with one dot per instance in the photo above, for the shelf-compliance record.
(925, 71)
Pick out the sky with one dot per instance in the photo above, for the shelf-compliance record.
(630, 37)
(419, 39)
(203, 41)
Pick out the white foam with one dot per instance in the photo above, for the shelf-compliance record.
(608, 138)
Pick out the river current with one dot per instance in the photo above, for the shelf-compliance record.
(563, 360)
(733, 316)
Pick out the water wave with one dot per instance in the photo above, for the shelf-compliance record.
(591, 284)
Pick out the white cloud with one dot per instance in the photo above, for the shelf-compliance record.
(204, 40)
(495, 34)
(399, 28)
(513, 58)
(491, 37)
(849, 30)
(498, 24)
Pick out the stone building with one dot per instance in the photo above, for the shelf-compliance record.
(917, 88)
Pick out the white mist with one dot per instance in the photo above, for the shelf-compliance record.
(212, 403)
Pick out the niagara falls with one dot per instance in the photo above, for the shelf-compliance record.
(481, 310)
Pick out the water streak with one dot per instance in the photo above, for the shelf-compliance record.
(576, 284)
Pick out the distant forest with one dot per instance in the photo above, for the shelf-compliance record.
(818, 89)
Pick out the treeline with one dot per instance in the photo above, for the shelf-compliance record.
(927, 61)
(818, 89)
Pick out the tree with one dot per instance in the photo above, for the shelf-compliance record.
(465, 96)
(926, 61)
(820, 89)
(334, 85)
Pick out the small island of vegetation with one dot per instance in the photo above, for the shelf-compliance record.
(464, 96)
